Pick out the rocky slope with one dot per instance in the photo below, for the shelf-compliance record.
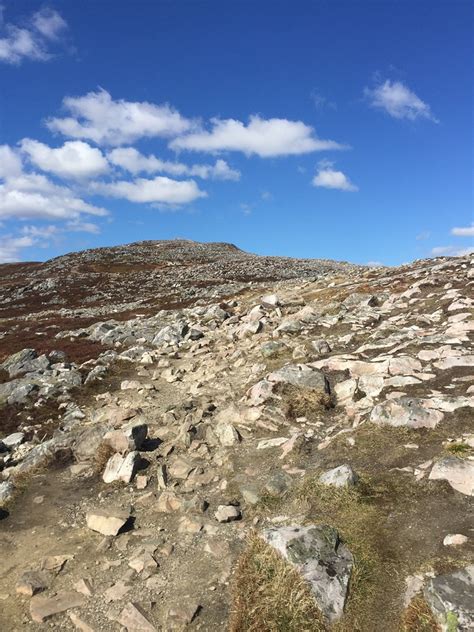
(198, 438)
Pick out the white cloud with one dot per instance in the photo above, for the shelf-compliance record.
(97, 117)
(30, 196)
(329, 178)
(321, 103)
(451, 251)
(10, 162)
(263, 137)
(399, 101)
(75, 159)
(247, 208)
(132, 160)
(11, 247)
(31, 41)
(49, 23)
(423, 235)
(77, 226)
(466, 231)
(161, 190)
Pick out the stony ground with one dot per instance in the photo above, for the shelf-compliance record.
(287, 450)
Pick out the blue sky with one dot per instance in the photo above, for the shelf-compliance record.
(332, 129)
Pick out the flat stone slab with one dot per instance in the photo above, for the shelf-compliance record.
(410, 412)
(458, 472)
(42, 608)
(451, 598)
(107, 521)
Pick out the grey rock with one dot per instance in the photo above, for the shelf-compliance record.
(451, 598)
(7, 490)
(13, 440)
(405, 411)
(342, 476)
(227, 513)
(272, 348)
(321, 559)
(302, 376)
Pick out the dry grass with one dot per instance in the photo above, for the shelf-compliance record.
(303, 403)
(269, 595)
(418, 617)
(102, 455)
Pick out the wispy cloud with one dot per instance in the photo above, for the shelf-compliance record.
(399, 101)
(32, 40)
(466, 231)
(321, 102)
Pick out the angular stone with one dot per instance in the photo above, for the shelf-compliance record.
(410, 412)
(322, 560)
(301, 376)
(42, 608)
(451, 599)
(128, 438)
(80, 624)
(169, 502)
(342, 476)
(121, 468)
(107, 521)
(227, 513)
(32, 582)
(13, 440)
(226, 433)
(134, 619)
(458, 472)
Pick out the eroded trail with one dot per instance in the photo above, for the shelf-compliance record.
(342, 409)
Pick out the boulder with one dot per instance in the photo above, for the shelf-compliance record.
(411, 412)
(322, 560)
(129, 437)
(450, 597)
(301, 376)
(458, 472)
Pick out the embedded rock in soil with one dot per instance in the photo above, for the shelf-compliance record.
(322, 560)
(107, 521)
(451, 598)
(410, 412)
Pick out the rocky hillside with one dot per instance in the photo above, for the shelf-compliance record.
(197, 438)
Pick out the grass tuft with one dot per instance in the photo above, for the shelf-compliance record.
(418, 617)
(269, 595)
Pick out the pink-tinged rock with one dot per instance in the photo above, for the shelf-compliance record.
(107, 521)
(41, 608)
(134, 619)
(410, 412)
(455, 539)
(458, 472)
